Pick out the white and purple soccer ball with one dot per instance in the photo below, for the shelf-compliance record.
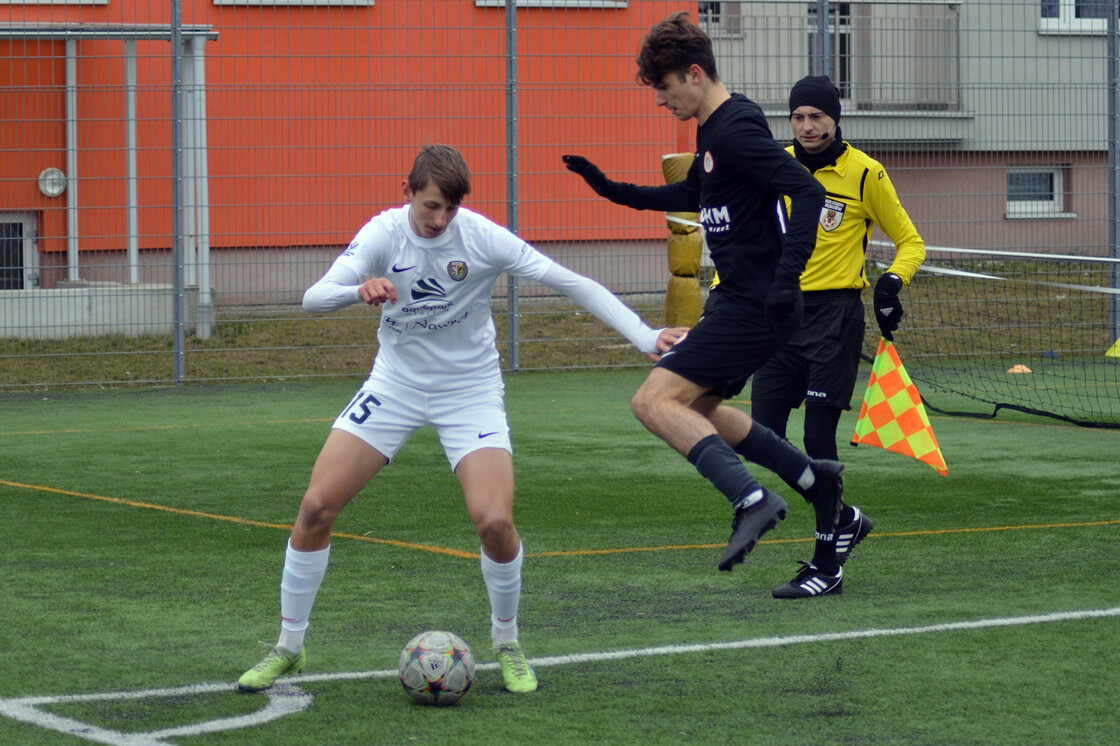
(436, 668)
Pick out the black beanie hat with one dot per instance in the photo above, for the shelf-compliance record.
(817, 91)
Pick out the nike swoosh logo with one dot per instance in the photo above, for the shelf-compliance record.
(402, 269)
(487, 435)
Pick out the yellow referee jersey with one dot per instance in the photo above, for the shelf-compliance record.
(858, 196)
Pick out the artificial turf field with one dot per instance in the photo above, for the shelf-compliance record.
(143, 541)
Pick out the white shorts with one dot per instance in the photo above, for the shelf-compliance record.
(385, 414)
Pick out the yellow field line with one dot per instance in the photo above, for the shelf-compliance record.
(563, 553)
(233, 519)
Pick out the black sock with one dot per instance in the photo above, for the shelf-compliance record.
(765, 448)
(824, 548)
(717, 463)
(821, 423)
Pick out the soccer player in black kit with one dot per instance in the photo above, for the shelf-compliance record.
(736, 183)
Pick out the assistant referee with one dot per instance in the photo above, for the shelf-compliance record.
(818, 366)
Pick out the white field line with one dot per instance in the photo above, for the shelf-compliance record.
(287, 698)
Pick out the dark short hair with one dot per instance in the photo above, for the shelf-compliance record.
(443, 166)
(673, 46)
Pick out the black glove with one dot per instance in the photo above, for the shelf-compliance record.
(785, 305)
(888, 309)
(590, 173)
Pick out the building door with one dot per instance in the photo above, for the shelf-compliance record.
(19, 260)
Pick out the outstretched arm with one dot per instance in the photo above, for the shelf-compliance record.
(609, 309)
(676, 197)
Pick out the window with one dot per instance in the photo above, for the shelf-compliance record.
(18, 260)
(347, 3)
(1037, 192)
(295, 2)
(1074, 16)
(839, 40)
(720, 18)
(709, 13)
(555, 3)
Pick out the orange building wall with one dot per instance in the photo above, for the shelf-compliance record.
(314, 115)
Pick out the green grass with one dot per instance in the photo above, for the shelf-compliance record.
(145, 530)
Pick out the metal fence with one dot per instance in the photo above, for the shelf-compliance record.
(174, 174)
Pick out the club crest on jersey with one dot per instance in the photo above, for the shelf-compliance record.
(709, 162)
(832, 214)
(457, 271)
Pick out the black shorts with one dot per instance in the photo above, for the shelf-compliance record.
(820, 364)
(728, 344)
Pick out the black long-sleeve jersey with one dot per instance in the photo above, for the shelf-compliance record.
(736, 184)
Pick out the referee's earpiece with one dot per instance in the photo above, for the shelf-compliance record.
(828, 134)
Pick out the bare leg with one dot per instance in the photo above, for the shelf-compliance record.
(487, 479)
(345, 466)
(666, 404)
(681, 413)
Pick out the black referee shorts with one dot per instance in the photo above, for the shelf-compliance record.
(730, 342)
(820, 364)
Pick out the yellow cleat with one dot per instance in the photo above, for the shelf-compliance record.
(277, 663)
(517, 674)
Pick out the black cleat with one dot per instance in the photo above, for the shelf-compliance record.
(811, 582)
(749, 525)
(850, 534)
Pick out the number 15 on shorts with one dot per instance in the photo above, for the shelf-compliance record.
(360, 408)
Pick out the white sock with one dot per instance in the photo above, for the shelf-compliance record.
(503, 584)
(303, 574)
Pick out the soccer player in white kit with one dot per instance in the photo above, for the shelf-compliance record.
(432, 265)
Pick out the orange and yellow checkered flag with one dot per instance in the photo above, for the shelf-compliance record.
(892, 416)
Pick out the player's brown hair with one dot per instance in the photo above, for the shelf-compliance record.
(672, 46)
(443, 166)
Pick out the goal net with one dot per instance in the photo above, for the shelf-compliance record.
(991, 330)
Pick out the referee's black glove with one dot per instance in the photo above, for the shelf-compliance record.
(595, 178)
(888, 309)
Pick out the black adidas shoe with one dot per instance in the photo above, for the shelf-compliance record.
(827, 493)
(749, 525)
(851, 533)
(811, 582)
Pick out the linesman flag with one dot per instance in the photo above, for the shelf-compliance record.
(892, 416)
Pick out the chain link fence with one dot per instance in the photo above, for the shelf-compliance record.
(175, 174)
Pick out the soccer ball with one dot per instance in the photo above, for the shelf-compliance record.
(436, 668)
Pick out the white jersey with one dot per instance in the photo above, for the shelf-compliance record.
(439, 335)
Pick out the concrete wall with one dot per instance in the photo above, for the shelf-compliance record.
(88, 309)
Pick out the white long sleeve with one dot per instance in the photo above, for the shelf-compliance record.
(336, 289)
(604, 305)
